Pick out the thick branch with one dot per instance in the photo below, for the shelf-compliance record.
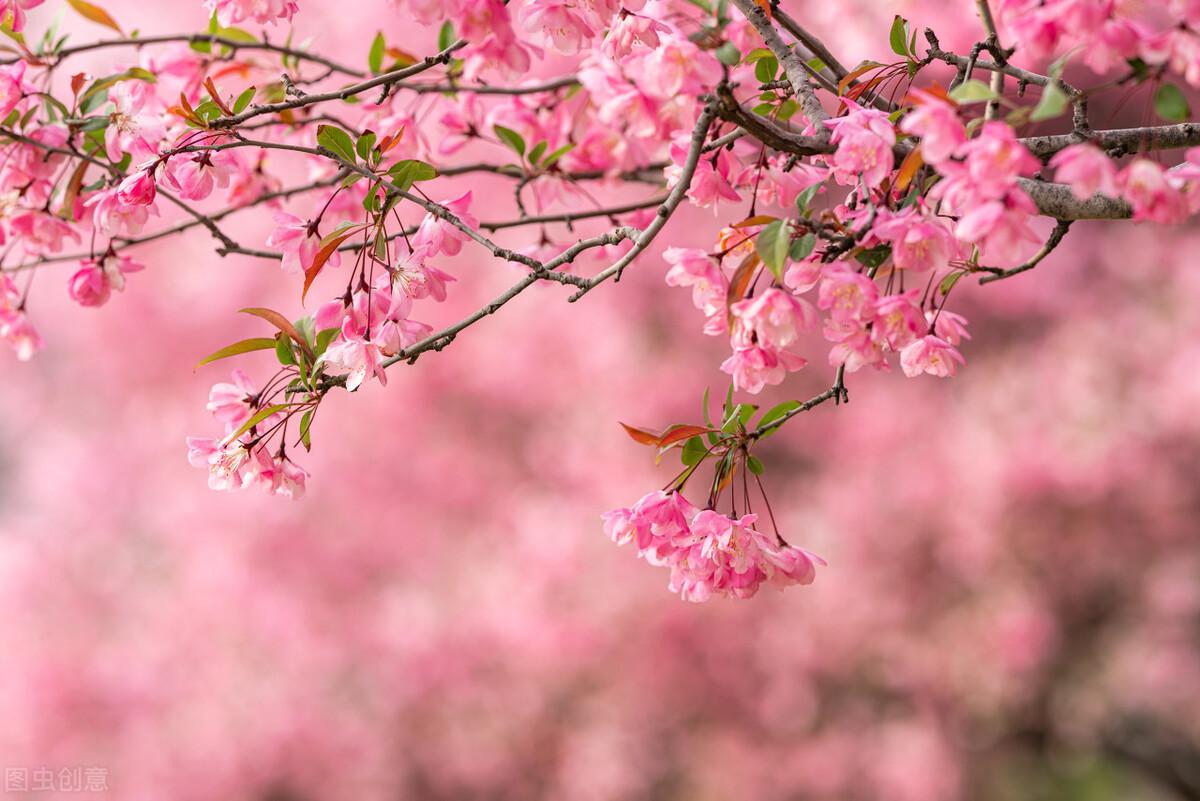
(793, 65)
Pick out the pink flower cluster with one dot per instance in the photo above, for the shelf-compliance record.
(264, 12)
(231, 462)
(707, 552)
(979, 179)
(1106, 33)
(15, 328)
(1156, 194)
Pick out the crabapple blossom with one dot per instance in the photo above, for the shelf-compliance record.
(264, 12)
(96, 279)
(937, 123)
(708, 553)
(865, 138)
(1086, 169)
(930, 354)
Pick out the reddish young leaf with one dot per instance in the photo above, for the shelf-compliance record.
(95, 14)
(319, 261)
(216, 97)
(282, 323)
(678, 433)
(908, 169)
(640, 435)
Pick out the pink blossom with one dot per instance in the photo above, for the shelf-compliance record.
(708, 554)
(42, 233)
(226, 463)
(754, 367)
(864, 139)
(557, 24)
(695, 268)
(356, 355)
(677, 66)
(195, 175)
(264, 12)
(438, 235)
(995, 159)
(936, 122)
(849, 297)
(802, 276)
(775, 318)
(855, 349)
(930, 354)
(95, 281)
(230, 403)
(898, 319)
(919, 242)
(629, 30)
(13, 87)
(1150, 191)
(948, 326)
(17, 9)
(1000, 227)
(15, 328)
(112, 216)
(298, 242)
(138, 189)
(136, 123)
(1086, 169)
(414, 277)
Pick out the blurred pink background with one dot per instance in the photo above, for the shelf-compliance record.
(1011, 608)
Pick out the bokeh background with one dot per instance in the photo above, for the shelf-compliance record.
(1011, 608)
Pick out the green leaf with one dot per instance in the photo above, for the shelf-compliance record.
(1170, 104)
(511, 138)
(738, 415)
(305, 433)
(336, 141)
(364, 145)
(804, 199)
(259, 416)
(1053, 103)
(898, 37)
(803, 247)
(375, 56)
(766, 68)
(728, 54)
(558, 153)
(446, 35)
(324, 338)
(537, 151)
(283, 351)
(693, 451)
(972, 91)
(238, 348)
(949, 281)
(776, 412)
(407, 172)
(772, 245)
(754, 465)
(243, 100)
(875, 256)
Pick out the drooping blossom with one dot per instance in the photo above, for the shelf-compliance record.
(264, 12)
(695, 268)
(864, 139)
(708, 554)
(96, 279)
(930, 354)
(1086, 169)
(231, 404)
(936, 121)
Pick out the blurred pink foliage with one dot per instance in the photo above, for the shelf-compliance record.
(1010, 609)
